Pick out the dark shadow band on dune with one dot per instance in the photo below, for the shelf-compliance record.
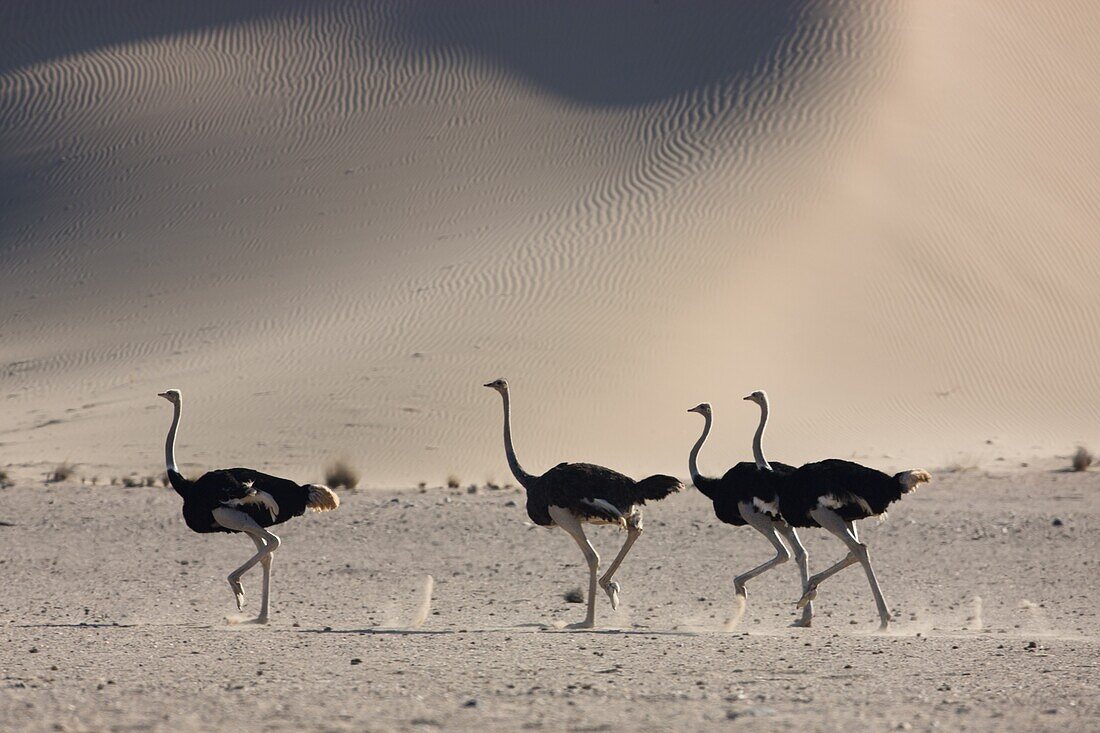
(607, 52)
(35, 32)
(614, 53)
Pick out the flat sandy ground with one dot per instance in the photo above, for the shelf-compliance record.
(114, 613)
(329, 222)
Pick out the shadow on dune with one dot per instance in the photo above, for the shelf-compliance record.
(34, 32)
(612, 52)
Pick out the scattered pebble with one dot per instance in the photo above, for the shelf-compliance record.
(356, 660)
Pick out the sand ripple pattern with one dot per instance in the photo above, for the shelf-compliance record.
(335, 219)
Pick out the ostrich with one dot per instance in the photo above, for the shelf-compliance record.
(746, 494)
(242, 500)
(572, 493)
(835, 494)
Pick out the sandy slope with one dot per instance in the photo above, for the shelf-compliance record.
(328, 223)
(124, 607)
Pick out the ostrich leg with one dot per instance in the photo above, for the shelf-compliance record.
(238, 520)
(833, 522)
(633, 531)
(571, 524)
(803, 559)
(265, 562)
(766, 526)
(811, 587)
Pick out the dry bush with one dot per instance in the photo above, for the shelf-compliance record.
(453, 482)
(62, 472)
(131, 482)
(341, 475)
(574, 596)
(5, 480)
(963, 464)
(1082, 459)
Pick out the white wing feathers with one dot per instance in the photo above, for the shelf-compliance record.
(262, 498)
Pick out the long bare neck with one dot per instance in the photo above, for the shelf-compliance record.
(522, 476)
(693, 457)
(757, 449)
(170, 444)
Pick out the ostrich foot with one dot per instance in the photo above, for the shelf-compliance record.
(884, 625)
(246, 621)
(803, 623)
(238, 591)
(809, 595)
(612, 590)
(586, 624)
(738, 612)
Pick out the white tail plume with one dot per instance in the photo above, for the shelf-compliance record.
(911, 479)
(322, 498)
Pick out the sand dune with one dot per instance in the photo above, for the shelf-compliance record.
(329, 222)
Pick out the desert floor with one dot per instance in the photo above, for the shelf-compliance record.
(114, 618)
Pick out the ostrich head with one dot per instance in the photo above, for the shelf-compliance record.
(703, 408)
(172, 395)
(760, 397)
(500, 385)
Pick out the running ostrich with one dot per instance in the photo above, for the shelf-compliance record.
(242, 500)
(570, 494)
(746, 494)
(835, 494)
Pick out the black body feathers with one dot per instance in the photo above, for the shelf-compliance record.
(243, 489)
(742, 483)
(853, 491)
(592, 492)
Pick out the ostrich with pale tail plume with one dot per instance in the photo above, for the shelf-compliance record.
(571, 494)
(242, 500)
(747, 494)
(834, 494)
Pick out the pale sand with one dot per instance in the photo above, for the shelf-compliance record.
(328, 225)
(97, 558)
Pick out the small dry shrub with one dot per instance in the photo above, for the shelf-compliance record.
(1082, 459)
(62, 472)
(131, 482)
(341, 475)
(574, 596)
(453, 482)
(5, 480)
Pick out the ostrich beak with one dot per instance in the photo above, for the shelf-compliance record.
(490, 384)
(747, 397)
(162, 394)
